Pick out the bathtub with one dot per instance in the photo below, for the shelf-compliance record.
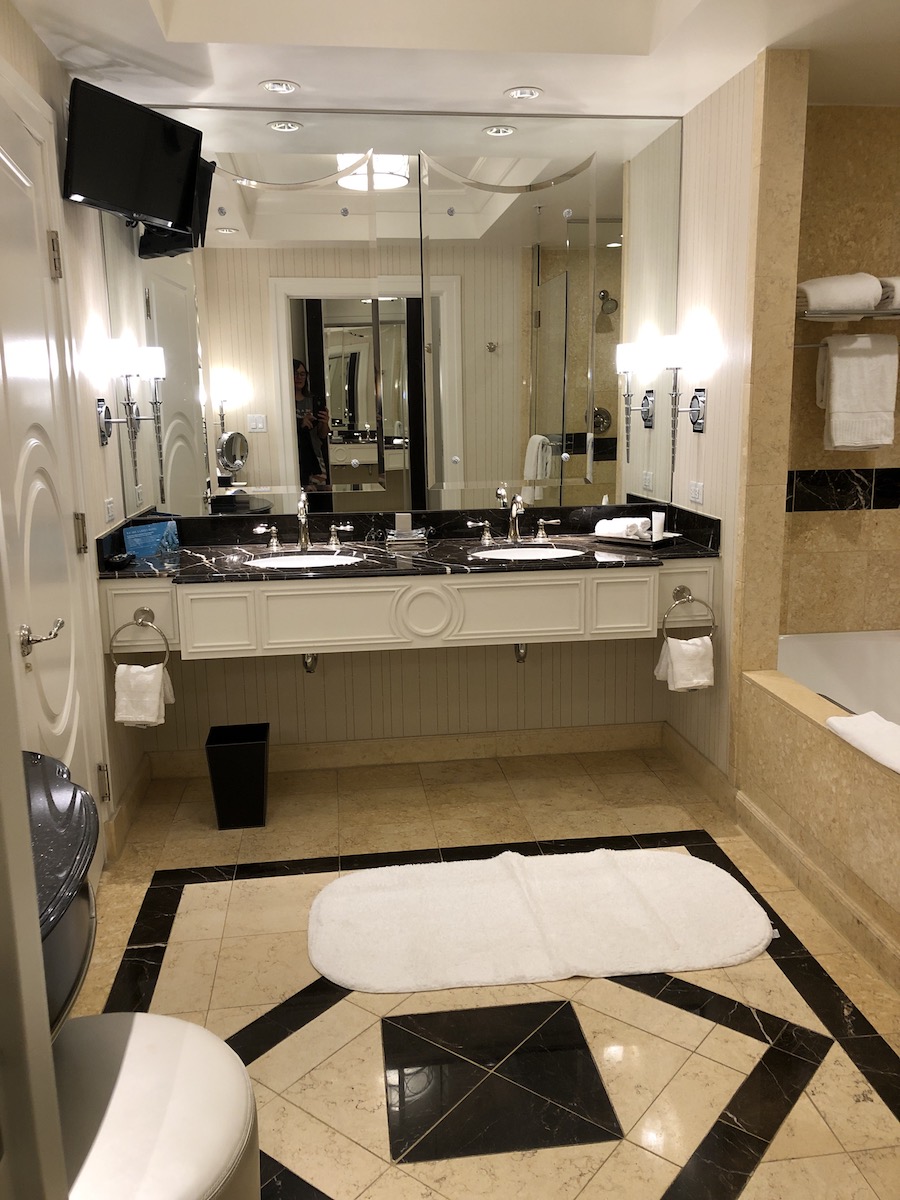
(858, 671)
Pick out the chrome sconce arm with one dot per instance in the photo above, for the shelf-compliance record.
(696, 409)
(152, 366)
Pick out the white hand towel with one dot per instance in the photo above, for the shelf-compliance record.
(890, 291)
(139, 695)
(690, 663)
(168, 690)
(661, 670)
(538, 463)
(872, 734)
(840, 293)
(856, 384)
(637, 528)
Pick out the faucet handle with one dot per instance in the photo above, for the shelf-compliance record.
(334, 542)
(541, 535)
(486, 539)
(272, 531)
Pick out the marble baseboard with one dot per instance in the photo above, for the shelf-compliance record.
(862, 928)
(115, 830)
(707, 776)
(438, 748)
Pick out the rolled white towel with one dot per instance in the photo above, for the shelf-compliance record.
(890, 291)
(872, 734)
(637, 528)
(690, 664)
(840, 293)
(140, 695)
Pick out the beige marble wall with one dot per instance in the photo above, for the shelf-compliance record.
(823, 810)
(841, 569)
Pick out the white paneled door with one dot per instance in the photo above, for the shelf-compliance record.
(46, 580)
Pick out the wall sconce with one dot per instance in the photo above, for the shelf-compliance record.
(153, 367)
(135, 362)
(627, 362)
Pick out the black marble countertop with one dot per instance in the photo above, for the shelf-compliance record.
(225, 549)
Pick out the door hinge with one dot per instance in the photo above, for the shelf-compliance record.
(536, 315)
(103, 795)
(54, 254)
(81, 545)
(147, 311)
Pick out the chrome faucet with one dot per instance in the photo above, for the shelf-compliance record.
(516, 506)
(541, 535)
(334, 542)
(303, 518)
(272, 531)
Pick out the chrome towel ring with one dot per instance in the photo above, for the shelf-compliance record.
(682, 595)
(143, 618)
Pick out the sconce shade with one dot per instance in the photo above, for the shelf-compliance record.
(626, 358)
(153, 362)
(388, 171)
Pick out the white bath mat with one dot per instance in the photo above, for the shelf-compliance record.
(520, 919)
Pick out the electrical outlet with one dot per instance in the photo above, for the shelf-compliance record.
(110, 510)
(647, 480)
(139, 494)
(256, 422)
(696, 492)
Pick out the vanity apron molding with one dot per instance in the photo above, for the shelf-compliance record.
(318, 616)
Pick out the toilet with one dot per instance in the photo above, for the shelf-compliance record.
(154, 1108)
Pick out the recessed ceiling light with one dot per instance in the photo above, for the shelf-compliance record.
(523, 92)
(282, 86)
(251, 183)
(285, 126)
(499, 130)
(613, 245)
(227, 229)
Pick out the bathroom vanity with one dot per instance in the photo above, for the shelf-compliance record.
(235, 600)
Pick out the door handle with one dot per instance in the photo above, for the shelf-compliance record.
(27, 638)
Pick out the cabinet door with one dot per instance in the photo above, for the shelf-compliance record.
(321, 616)
(542, 608)
(622, 603)
(217, 620)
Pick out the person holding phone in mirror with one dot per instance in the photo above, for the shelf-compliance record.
(313, 427)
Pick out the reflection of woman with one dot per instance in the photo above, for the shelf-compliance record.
(312, 433)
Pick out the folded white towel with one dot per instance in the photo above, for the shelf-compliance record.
(538, 464)
(872, 734)
(141, 694)
(840, 293)
(890, 291)
(856, 384)
(686, 664)
(637, 528)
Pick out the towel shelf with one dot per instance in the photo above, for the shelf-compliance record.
(682, 595)
(143, 619)
(847, 314)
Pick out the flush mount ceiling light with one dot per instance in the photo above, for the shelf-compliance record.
(227, 229)
(285, 126)
(613, 245)
(523, 92)
(389, 171)
(282, 87)
(250, 183)
(499, 130)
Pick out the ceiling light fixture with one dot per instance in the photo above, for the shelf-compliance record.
(389, 171)
(285, 126)
(227, 229)
(613, 245)
(282, 87)
(523, 92)
(499, 130)
(250, 183)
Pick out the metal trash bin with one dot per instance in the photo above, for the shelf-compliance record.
(238, 761)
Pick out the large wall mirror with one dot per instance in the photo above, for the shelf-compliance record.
(499, 270)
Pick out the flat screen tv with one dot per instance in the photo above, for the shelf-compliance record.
(166, 243)
(124, 158)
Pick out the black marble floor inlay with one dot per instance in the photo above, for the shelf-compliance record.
(492, 1080)
(521, 1077)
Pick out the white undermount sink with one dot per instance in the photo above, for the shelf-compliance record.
(304, 562)
(527, 553)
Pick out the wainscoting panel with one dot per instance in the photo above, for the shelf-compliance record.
(414, 693)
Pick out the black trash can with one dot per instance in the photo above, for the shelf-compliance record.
(238, 761)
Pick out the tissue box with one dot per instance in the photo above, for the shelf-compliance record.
(156, 539)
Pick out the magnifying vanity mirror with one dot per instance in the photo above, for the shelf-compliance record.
(457, 330)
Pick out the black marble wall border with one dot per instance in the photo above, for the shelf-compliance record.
(851, 489)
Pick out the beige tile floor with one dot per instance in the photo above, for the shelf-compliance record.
(238, 948)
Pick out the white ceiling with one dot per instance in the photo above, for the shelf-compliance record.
(204, 59)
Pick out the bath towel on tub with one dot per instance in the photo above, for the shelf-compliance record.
(872, 734)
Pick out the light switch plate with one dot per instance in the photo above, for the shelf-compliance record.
(647, 480)
(696, 492)
(256, 422)
(110, 509)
